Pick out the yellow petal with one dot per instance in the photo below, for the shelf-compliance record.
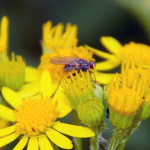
(44, 143)
(64, 106)
(46, 84)
(21, 144)
(107, 65)
(4, 123)
(31, 74)
(7, 113)
(111, 44)
(101, 53)
(29, 89)
(7, 130)
(11, 97)
(73, 130)
(59, 139)
(104, 78)
(33, 144)
(8, 139)
(4, 33)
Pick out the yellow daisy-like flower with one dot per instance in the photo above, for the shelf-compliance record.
(118, 53)
(4, 36)
(126, 96)
(35, 120)
(129, 69)
(57, 42)
(58, 36)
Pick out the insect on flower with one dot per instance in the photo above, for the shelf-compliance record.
(73, 63)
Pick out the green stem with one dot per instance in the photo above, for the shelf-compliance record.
(94, 144)
(115, 140)
(121, 146)
(94, 141)
(77, 143)
(76, 121)
(128, 134)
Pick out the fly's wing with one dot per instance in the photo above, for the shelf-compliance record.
(63, 60)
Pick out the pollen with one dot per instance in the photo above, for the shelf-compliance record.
(35, 116)
(139, 52)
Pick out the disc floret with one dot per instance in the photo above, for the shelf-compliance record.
(35, 116)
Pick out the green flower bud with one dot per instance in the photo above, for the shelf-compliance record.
(12, 72)
(81, 87)
(91, 112)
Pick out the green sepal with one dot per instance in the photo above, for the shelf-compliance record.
(121, 121)
(145, 111)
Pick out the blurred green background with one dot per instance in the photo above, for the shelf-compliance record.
(126, 20)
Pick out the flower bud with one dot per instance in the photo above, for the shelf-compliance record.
(91, 112)
(12, 72)
(80, 88)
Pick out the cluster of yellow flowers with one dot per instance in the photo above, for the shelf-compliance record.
(35, 98)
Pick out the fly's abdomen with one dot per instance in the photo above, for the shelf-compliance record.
(69, 67)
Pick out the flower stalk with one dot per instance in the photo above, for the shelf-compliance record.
(76, 121)
(94, 144)
(116, 139)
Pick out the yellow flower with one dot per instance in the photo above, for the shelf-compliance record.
(79, 88)
(58, 37)
(16, 75)
(59, 42)
(130, 69)
(4, 36)
(86, 97)
(125, 96)
(13, 72)
(118, 53)
(35, 120)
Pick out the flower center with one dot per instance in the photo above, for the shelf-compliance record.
(125, 101)
(35, 116)
(139, 52)
(12, 72)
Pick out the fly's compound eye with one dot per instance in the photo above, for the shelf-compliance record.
(91, 64)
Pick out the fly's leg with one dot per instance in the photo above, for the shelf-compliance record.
(74, 74)
(92, 79)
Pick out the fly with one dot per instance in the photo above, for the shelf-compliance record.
(73, 63)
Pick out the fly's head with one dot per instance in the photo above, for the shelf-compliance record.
(91, 64)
